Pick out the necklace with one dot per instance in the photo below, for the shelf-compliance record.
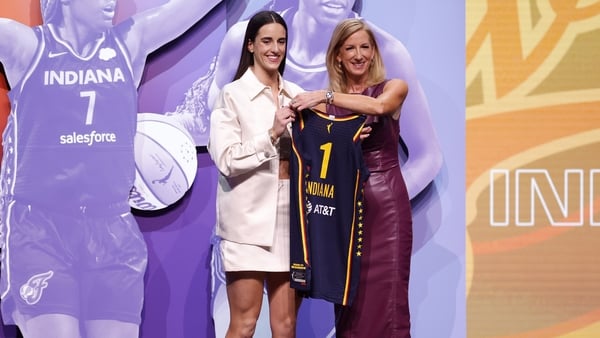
(355, 91)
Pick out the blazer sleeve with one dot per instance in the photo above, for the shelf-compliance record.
(232, 153)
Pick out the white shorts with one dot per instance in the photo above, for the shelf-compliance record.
(276, 258)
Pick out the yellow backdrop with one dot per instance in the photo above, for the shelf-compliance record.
(533, 162)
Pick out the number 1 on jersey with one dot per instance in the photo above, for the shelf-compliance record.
(326, 147)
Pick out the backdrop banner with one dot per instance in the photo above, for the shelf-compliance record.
(533, 179)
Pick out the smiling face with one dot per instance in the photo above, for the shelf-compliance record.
(268, 48)
(96, 14)
(355, 54)
(334, 9)
(327, 11)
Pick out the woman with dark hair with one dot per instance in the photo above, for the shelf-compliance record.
(358, 85)
(250, 144)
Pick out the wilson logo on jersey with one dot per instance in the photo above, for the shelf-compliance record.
(31, 292)
(83, 76)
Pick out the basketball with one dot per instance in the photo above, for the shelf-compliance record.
(165, 161)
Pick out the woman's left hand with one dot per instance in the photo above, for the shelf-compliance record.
(365, 132)
(308, 99)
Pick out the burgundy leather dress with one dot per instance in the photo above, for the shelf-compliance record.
(380, 308)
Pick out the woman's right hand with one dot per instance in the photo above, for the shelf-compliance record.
(283, 116)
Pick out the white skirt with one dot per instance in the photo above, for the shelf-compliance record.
(276, 258)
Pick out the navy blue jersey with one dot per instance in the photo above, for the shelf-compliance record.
(327, 176)
(72, 145)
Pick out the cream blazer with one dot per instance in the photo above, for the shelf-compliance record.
(247, 161)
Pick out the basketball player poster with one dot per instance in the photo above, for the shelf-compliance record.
(184, 294)
(73, 258)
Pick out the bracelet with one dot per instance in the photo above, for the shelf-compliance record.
(329, 97)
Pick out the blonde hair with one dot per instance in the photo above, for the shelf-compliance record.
(49, 9)
(337, 77)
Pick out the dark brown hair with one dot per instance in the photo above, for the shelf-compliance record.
(254, 25)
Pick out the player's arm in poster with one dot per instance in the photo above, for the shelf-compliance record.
(17, 46)
(225, 67)
(146, 31)
(424, 158)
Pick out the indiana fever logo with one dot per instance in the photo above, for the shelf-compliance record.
(533, 207)
(519, 50)
(31, 292)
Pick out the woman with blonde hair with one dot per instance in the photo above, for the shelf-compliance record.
(358, 86)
